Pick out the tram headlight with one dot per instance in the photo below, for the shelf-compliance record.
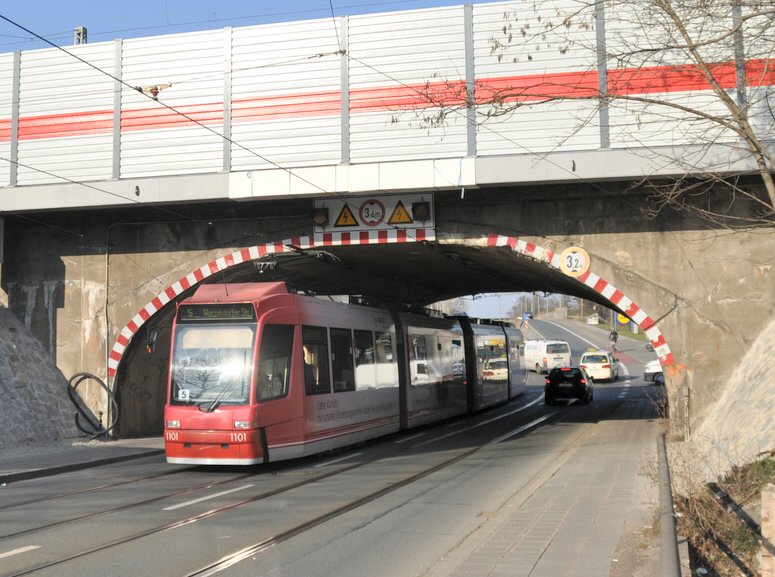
(241, 424)
(173, 424)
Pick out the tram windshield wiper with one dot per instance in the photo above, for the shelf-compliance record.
(219, 397)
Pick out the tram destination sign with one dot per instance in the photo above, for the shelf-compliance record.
(216, 312)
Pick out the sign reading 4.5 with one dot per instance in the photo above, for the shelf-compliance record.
(574, 261)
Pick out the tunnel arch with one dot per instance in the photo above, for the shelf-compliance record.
(608, 291)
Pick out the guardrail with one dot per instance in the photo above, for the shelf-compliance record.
(671, 564)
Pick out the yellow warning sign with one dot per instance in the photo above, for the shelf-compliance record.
(346, 217)
(400, 215)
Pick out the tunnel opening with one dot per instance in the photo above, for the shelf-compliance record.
(424, 272)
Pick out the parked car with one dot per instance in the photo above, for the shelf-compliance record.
(568, 383)
(651, 370)
(600, 365)
(543, 355)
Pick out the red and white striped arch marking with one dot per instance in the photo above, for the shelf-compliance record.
(376, 237)
(600, 285)
(246, 255)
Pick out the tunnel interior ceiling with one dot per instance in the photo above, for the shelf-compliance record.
(417, 274)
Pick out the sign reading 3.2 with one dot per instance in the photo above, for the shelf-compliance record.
(574, 261)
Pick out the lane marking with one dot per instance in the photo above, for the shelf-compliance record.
(483, 423)
(407, 439)
(519, 430)
(19, 551)
(345, 458)
(194, 501)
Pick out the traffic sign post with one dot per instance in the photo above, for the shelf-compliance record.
(387, 212)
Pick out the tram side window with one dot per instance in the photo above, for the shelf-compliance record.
(316, 376)
(386, 367)
(342, 360)
(274, 362)
(424, 364)
(365, 373)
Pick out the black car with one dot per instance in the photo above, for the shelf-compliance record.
(568, 383)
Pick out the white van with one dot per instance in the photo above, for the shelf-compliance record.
(543, 355)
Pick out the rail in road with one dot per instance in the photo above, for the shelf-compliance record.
(559, 481)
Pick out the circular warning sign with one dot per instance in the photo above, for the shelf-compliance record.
(574, 261)
(372, 212)
(623, 319)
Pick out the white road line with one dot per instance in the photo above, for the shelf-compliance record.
(530, 425)
(19, 551)
(481, 424)
(407, 439)
(346, 457)
(187, 503)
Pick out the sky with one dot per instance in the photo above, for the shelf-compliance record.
(107, 20)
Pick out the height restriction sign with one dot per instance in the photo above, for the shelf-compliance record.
(574, 261)
(387, 212)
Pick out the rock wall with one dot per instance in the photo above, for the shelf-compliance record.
(739, 428)
(34, 406)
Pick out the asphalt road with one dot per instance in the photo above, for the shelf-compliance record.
(524, 489)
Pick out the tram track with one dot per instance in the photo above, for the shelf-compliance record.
(396, 449)
(96, 488)
(536, 482)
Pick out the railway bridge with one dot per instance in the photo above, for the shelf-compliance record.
(367, 160)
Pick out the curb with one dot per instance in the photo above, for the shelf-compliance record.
(27, 474)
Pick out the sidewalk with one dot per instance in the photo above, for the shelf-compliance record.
(41, 461)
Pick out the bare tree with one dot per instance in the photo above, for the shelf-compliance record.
(697, 74)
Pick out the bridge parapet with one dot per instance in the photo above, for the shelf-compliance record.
(353, 104)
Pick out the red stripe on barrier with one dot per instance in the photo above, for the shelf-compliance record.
(562, 85)
(213, 266)
(600, 285)
(157, 304)
(122, 340)
(616, 297)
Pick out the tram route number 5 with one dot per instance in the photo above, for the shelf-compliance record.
(574, 261)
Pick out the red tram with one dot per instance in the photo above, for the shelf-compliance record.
(260, 374)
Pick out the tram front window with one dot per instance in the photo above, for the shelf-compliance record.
(211, 365)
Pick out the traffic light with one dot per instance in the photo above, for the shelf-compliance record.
(320, 216)
(421, 211)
